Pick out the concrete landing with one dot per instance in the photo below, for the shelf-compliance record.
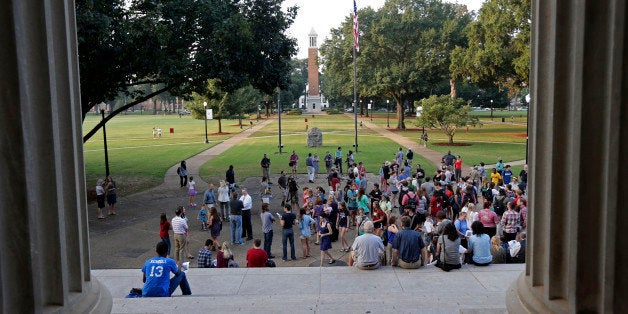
(324, 290)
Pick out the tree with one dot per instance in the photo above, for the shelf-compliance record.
(178, 46)
(404, 50)
(225, 105)
(446, 113)
(498, 51)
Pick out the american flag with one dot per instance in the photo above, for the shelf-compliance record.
(356, 26)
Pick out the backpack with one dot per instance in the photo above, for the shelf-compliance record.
(179, 171)
(499, 206)
(412, 202)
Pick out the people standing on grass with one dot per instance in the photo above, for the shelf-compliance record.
(265, 163)
(182, 171)
(294, 162)
(316, 161)
(338, 159)
(230, 177)
(328, 159)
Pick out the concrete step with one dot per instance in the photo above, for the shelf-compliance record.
(324, 290)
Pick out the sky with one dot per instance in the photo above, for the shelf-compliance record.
(323, 15)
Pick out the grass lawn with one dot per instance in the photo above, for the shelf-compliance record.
(337, 131)
(136, 160)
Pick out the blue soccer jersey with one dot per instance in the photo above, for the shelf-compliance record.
(157, 271)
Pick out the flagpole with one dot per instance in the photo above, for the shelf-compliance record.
(356, 35)
(355, 101)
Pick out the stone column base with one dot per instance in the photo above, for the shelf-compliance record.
(521, 297)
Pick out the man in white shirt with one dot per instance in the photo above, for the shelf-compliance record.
(179, 227)
(247, 228)
(367, 249)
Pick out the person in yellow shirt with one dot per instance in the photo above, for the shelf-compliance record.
(496, 177)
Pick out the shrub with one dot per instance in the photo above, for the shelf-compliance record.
(294, 112)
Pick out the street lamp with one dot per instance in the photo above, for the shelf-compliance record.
(206, 139)
(388, 113)
(491, 109)
(371, 107)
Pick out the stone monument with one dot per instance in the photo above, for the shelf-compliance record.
(314, 137)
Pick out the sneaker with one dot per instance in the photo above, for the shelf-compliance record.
(283, 259)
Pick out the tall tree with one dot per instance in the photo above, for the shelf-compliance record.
(405, 50)
(180, 44)
(498, 51)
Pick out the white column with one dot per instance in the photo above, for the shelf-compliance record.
(578, 159)
(44, 265)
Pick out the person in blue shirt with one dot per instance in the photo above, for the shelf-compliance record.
(507, 175)
(408, 247)
(156, 278)
(479, 245)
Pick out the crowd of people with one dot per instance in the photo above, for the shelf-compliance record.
(407, 219)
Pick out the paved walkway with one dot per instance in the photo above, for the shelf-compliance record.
(324, 290)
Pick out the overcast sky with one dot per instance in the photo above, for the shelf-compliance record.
(323, 15)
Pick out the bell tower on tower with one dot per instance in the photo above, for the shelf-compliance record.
(313, 100)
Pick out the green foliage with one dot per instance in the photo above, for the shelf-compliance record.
(498, 50)
(445, 113)
(333, 111)
(294, 112)
(179, 45)
(405, 50)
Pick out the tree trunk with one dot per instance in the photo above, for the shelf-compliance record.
(452, 86)
(155, 106)
(451, 138)
(401, 125)
(219, 125)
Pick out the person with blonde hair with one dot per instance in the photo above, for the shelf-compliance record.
(224, 257)
(223, 200)
(497, 251)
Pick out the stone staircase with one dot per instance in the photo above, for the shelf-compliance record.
(324, 290)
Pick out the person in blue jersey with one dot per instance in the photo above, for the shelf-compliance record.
(156, 278)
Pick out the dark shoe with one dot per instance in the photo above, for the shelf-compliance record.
(283, 259)
(272, 256)
(249, 239)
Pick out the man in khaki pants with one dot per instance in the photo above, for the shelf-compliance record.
(179, 227)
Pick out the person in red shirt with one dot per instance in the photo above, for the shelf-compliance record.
(256, 256)
(164, 231)
(458, 166)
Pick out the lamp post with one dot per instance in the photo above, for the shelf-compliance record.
(206, 139)
(491, 109)
(280, 146)
(388, 113)
(371, 109)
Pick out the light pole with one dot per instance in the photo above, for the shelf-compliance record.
(279, 116)
(388, 113)
(491, 109)
(371, 109)
(206, 139)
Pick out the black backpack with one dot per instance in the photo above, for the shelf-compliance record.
(412, 202)
(499, 206)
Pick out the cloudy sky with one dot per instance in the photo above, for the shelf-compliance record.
(323, 15)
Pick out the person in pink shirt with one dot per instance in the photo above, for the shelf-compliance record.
(489, 219)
